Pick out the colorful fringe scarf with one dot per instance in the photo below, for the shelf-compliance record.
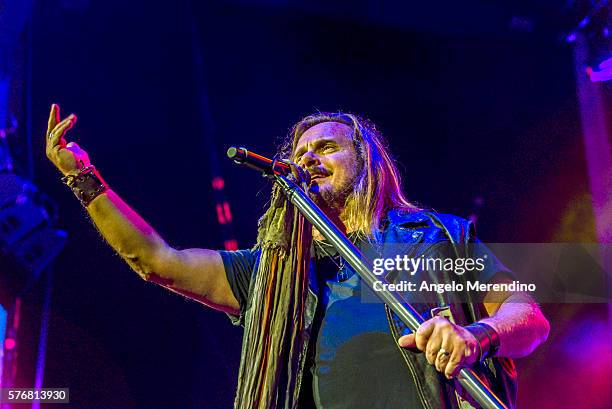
(273, 345)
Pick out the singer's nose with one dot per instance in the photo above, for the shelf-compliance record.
(308, 160)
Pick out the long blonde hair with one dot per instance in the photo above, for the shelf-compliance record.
(377, 188)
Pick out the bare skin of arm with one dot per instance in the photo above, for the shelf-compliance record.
(195, 273)
(517, 319)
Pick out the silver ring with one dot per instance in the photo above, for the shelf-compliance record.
(443, 352)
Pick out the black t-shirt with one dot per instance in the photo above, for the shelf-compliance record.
(354, 360)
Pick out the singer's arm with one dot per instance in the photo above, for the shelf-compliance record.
(196, 273)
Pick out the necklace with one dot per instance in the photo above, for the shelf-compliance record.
(341, 274)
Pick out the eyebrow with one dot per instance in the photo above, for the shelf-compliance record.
(318, 142)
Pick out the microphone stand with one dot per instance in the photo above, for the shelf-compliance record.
(277, 171)
(409, 316)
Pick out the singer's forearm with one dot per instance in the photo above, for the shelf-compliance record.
(521, 326)
(195, 273)
(127, 232)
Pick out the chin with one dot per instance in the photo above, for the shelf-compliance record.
(324, 195)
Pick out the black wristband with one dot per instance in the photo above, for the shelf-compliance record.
(487, 337)
(87, 185)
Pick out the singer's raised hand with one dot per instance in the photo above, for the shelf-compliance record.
(69, 158)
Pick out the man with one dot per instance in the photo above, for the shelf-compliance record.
(309, 339)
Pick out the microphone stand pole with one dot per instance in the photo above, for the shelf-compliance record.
(409, 316)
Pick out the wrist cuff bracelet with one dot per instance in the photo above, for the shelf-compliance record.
(487, 337)
(87, 185)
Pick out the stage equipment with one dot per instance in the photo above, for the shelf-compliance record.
(409, 316)
(28, 242)
(269, 167)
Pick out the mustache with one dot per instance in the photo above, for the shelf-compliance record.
(314, 172)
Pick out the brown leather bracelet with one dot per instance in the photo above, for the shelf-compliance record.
(87, 185)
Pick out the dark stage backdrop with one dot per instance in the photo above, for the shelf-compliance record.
(467, 115)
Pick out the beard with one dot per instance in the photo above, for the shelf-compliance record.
(331, 198)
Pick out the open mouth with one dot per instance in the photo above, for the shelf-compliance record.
(317, 177)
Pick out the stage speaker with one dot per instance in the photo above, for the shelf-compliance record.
(28, 240)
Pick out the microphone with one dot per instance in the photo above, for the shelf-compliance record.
(251, 159)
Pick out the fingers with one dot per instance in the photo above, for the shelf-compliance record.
(445, 345)
(54, 118)
(407, 341)
(464, 352)
(433, 346)
(455, 361)
(444, 353)
(425, 331)
(419, 339)
(56, 137)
